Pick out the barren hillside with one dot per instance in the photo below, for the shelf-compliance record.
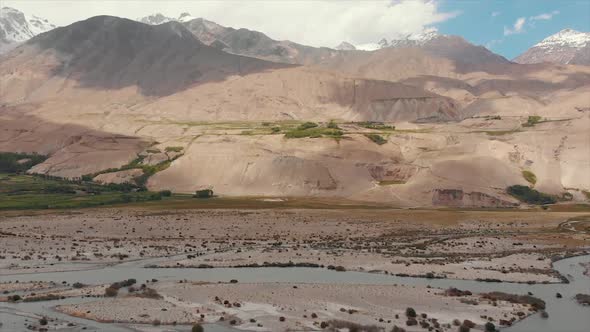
(104, 92)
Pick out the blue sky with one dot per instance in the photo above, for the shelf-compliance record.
(483, 22)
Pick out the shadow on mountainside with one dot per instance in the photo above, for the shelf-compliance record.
(74, 150)
(112, 53)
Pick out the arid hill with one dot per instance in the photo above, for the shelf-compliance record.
(103, 92)
(111, 53)
(166, 64)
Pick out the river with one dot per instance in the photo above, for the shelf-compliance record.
(565, 315)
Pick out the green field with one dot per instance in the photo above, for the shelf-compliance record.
(24, 192)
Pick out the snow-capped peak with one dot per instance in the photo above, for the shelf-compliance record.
(412, 39)
(415, 39)
(345, 46)
(424, 35)
(158, 18)
(155, 19)
(16, 27)
(567, 38)
(185, 17)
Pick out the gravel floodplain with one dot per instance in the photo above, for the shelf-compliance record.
(509, 246)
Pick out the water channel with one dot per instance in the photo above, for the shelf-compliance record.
(565, 315)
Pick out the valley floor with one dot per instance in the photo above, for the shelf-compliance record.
(507, 245)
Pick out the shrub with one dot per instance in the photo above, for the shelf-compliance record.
(205, 193)
(351, 326)
(43, 321)
(490, 327)
(512, 298)
(583, 299)
(452, 291)
(532, 120)
(14, 298)
(78, 285)
(314, 133)
(174, 148)
(111, 292)
(468, 323)
(375, 125)
(11, 162)
(124, 283)
(307, 125)
(410, 312)
(156, 322)
(87, 177)
(530, 177)
(149, 293)
(197, 328)
(378, 139)
(275, 130)
(166, 193)
(464, 328)
(531, 196)
(332, 125)
(44, 297)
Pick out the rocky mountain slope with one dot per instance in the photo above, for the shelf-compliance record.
(451, 47)
(92, 100)
(161, 60)
(168, 63)
(565, 47)
(16, 27)
(257, 44)
(245, 42)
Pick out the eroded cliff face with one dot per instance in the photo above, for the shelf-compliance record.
(459, 198)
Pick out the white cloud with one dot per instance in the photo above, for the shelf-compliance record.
(494, 14)
(518, 27)
(316, 23)
(545, 16)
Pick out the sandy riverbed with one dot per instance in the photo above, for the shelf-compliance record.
(259, 306)
(502, 245)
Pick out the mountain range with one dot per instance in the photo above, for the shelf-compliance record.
(100, 93)
(565, 47)
(16, 27)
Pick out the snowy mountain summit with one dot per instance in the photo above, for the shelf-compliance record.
(16, 27)
(345, 46)
(412, 39)
(159, 18)
(155, 19)
(566, 38)
(565, 47)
